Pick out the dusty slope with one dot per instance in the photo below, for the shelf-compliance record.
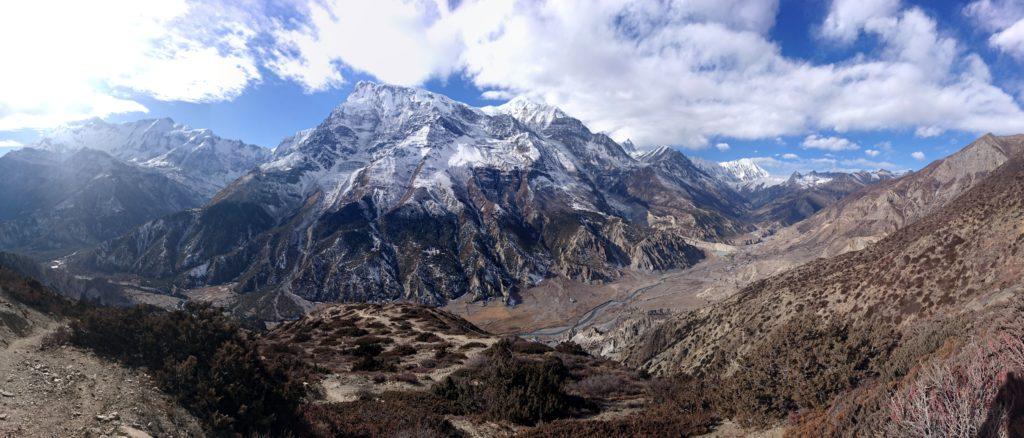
(965, 255)
(48, 390)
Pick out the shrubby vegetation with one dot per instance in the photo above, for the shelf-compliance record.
(507, 387)
(203, 359)
(802, 365)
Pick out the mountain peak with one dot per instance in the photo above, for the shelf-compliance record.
(392, 100)
(745, 169)
(531, 112)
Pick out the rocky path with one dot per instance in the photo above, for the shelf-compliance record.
(66, 392)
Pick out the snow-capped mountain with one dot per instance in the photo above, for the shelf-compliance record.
(403, 193)
(815, 178)
(743, 174)
(197, 158)
(745, 170)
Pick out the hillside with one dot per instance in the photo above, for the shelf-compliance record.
(875, 213)
(84, 395)
(966, 255)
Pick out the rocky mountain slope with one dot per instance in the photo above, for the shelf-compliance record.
(196, 158)
(402, 193)
(52, 203)
(965, 255)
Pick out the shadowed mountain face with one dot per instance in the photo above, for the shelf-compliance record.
(401, 193)
(965, 255)
(52, 204)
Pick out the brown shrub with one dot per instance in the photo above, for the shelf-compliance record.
(678, 408)
(802, 365)
(606, 385)
(56, 339)
(427, 337)
(204, 360)
(411, 414)
(520, 345)
(504, 387)
(570, 347)
(402, 350)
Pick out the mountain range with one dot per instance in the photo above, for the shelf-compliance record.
(399, 194)
(814, 297)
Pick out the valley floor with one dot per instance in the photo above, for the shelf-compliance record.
(559, 308)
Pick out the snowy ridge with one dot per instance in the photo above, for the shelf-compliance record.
(387, 139)
(742, 174)
(197, 158)
(745, 170)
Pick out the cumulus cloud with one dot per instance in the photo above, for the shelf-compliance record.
(663, 72)
(918, 155)
(722, 146)
(1004, 20)
(846, 17)
(790, 156)
(832, 144)
(1010, 40)
(670, 72)
(72, 60)
(872, 152)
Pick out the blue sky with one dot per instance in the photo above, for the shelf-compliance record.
(798, 85)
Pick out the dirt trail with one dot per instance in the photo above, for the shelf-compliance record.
(67, 392)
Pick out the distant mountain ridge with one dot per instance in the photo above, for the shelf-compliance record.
(52, 203)
(196, 158)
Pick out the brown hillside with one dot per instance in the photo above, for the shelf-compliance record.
(966, 255)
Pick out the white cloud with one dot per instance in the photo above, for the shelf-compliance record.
(846, 17)
(722, 146)
(833, 144)
(401, 42)
(72, 60)
(1010, 40)
(872, 152)
(994, 15)
(1004, 20)
(496, 95)
(928, 131)
(918, 155)
(790, 156)
(663, 72)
